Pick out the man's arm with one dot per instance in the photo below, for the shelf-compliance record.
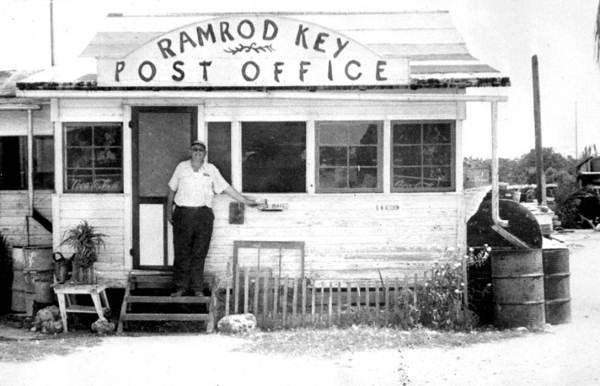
(231, 192)
(170, 199)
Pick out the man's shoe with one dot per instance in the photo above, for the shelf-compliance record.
(177, 293)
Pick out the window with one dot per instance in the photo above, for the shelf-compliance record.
(219, 147)
(13, 162)
(422, 156)
(93, 158)
(349, 156)
(274, 157)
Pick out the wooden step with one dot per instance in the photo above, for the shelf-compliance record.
(164, 317)
(168, 299)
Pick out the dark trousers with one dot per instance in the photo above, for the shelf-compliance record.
(192, 230)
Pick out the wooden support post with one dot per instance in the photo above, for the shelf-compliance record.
(284, 299)
(303, 299)
(256, 293)
(246, 289)
(236, 295)
(330, 313)
(276, 296)
(227, 289)
(312, 302)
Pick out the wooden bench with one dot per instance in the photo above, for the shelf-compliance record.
(66, 300)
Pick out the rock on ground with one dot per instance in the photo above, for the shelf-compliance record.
(236, 324)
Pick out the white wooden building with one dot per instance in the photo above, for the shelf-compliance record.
(351, 124)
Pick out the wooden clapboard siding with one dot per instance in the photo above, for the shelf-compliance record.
(13, 211)
(16, 122)
(260, 109)
(346, 236)
(90, 110)
(106, 213)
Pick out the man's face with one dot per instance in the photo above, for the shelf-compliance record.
(198, 152)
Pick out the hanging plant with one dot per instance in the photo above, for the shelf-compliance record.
(85, 241)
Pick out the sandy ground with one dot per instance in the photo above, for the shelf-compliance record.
(567, 354)
(563, 355)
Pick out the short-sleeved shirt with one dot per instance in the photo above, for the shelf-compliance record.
(196, 188)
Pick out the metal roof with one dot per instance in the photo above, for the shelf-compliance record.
(437, 53)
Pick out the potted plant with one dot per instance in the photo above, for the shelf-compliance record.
(85, 242)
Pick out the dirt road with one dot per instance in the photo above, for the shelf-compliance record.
(563, 355)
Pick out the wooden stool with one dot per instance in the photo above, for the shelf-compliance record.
(66, 305)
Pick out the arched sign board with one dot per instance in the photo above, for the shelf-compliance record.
(252, 51)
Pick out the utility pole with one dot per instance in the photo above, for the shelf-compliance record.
(539, 160)
(51, 33)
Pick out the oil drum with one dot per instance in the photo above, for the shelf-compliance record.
(557, 285)
(518, 281)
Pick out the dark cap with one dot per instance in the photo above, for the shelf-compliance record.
(198, 143)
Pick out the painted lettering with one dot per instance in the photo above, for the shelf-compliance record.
(277, 70)
(177, 68)
(273, 30)
(248, 34)
(347, 70)
(209, 34)
(164, 45)
(303, 70)
(301, 37)
(340, 47)
(380, 68)
(119, 67)
(319, 40)
(151, 66)
(224, 27)
(245, 71)
(205, 64)
(183, 39)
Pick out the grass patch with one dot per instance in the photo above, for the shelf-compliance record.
(27, 350)
(334, 341)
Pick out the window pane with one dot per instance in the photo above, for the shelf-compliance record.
(436, 177)
(79, 136)
(332, 133)
(437, 155)
(13, 163)
(333, 177)
(333, 156)
(407, 177)
(363, 133)
(274, 157)
(436, 133)
(406, 133)
(43, 162)
(107, 157)
(107, 136)
(219, 147)
(407, 155)
(94, 166)
(79, 157)
(363, 177)
(363, 156)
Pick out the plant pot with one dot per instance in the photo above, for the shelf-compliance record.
(83, 275)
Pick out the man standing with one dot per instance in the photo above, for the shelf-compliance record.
(192, 188)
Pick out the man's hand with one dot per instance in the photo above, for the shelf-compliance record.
(170, 217)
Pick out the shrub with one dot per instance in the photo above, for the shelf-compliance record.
(6, 276)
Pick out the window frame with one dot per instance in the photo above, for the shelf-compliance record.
(66, 126)
(22, 139)
(380, 166)
(452, 166)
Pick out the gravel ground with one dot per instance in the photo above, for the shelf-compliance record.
(561, 355)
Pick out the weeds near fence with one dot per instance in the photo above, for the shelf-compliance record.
(433, 300)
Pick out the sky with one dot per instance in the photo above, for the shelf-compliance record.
(502, 33)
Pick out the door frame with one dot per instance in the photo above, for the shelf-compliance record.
(135, 168)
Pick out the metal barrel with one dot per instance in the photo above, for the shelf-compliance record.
(557, 285)
(518, 281)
